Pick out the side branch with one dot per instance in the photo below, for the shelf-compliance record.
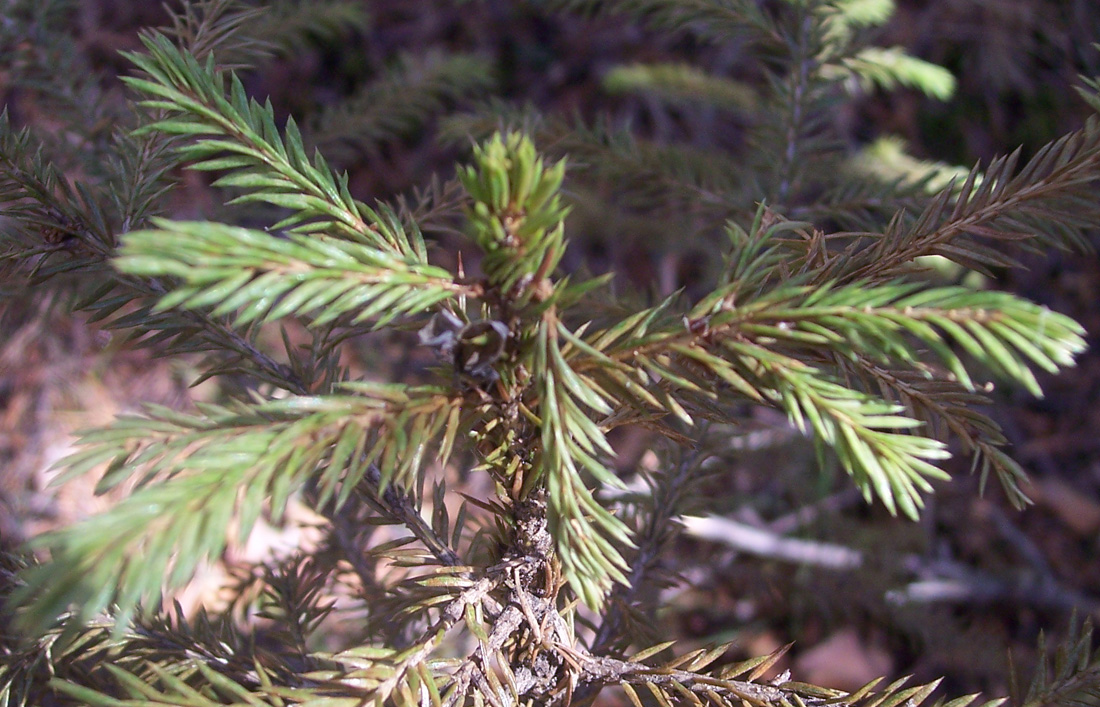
(397, 504)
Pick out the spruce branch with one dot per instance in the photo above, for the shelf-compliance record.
(715, 21)
(239, 135)
(868, 436)
(289, 26)
(393, 501)
(517, 216)
(123, 176)
(1047, 203)
(681, 83)
(881, 180)
(670, 493)
(42, 56)
(648, 176)
(947, 407)
(796, 99)
(65, 232)
(52, 216)
(398, 103)
(851, 15)
(686, 680)
(199, 474)
(263, 277)
(517, 220)
(764, 346)
(209, 26)
(572, 441)
(1070, 676)
(191, 331)
(140, 178)
(1002, 332)
(890, 67)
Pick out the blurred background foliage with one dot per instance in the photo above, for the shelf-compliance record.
(578, 76)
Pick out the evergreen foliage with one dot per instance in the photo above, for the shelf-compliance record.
(529, 595)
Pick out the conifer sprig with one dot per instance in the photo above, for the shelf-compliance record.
(648, 176)
(51, 215)
(891, 67)
(261, 276)
(397, 103)
(517, 216)
(1046, 203)
(199, 475)
(681, 83)
(769, 348)
(237, 134)
(291, 25)
(716, 21)
(948, 409)
(571, 443)
(207, 26)
(1070, 676)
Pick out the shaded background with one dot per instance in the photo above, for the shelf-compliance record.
(1014, 573)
